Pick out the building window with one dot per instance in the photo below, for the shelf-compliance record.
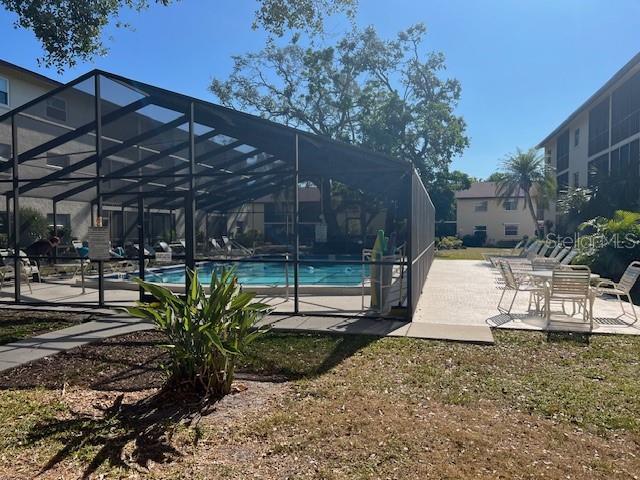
(510, 229)
(56, 109)
(479, 229)
(562, 151)
(625, 110)
(598, 169)
(625, 160)
(481, 206)
(599, 127)
(5, 152)
(4, 91)
(576, 179)
(576, 137)
(510, 204)
(563, 182)
(58, 161)
(63, 224)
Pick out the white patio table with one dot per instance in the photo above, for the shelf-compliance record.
(548, 274)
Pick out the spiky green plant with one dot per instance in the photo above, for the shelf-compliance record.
(206, 333)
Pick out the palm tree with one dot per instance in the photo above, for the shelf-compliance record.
(526, 171)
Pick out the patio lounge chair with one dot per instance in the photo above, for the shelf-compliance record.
(571, 284)
(25, 273)
(556, 250)
(217, 248)
(533, 247)
(235, 248)
(623, 287)
(562, 253)
(518, 284)
(568, 258)
(544, 250)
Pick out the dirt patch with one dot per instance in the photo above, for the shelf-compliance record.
(126, 363)
(126, 435)
(23, 323)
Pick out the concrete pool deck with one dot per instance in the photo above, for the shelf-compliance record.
(466, 292)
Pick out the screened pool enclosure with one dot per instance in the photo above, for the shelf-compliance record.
(107, 179)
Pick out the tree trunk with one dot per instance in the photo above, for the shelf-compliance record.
(532, 210)
(327, 209)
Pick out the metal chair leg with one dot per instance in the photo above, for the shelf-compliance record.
(515, 294)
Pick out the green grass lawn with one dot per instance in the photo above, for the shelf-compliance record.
(470, 253)
(337, 407)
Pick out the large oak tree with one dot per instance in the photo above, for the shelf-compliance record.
(388, 95)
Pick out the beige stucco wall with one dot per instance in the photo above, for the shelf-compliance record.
(494, 219)
(22, 88)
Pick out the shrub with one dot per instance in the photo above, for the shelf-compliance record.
(609, 245)
(449, 243)
(476, 240)
(33, 226)
(206, 333)
(507, 243)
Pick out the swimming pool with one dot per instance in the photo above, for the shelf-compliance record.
(272, 274)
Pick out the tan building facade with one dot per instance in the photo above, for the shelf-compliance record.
(479, 209)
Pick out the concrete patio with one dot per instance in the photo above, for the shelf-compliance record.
(466, 292)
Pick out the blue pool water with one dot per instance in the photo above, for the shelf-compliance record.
(340, 274)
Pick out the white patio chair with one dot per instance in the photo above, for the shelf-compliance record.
(494, 259)
(571, 285)
(562, 253)
(543, 251)
(622, 288)
(568, 258)
(518, 284)
(556, 250)
(25, 274)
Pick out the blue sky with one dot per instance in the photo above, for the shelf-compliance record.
(524, 65)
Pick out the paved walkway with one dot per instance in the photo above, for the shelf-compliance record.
(23, 351)
(110, 325)
(466, 292)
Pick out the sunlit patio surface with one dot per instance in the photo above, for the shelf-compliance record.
(459, 293)
(466, 292)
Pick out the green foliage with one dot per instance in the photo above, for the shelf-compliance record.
(572, 205)
(478, 239)
(449, 243)
(71, 30)
(387, 95)
(207, 333)
(610, 244)
(442, 192)
(277, 16)
(526, 171)
(495, 177)
(33, 226)
(619, 191)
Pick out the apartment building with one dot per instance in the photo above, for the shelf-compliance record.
(479, 209)
(602, 136)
